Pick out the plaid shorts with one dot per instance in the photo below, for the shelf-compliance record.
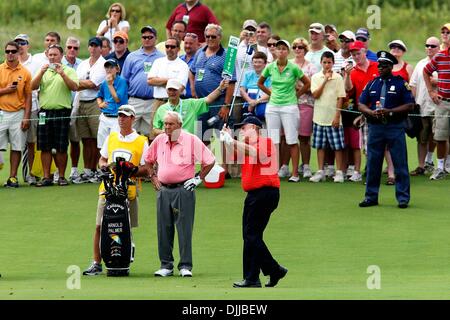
(327, 136)
(54, 134)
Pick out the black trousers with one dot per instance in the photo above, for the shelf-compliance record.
(258, 207)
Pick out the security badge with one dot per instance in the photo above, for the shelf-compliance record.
(383, 54)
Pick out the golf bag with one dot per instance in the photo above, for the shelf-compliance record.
(116, 244)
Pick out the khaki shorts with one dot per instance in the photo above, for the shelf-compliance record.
(87, 123)
(427, 130)
(10, 130)
(32, 130)
(133, 212)
(440, 123)
(142, 123)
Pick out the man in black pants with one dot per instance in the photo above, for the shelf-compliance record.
(260, 180)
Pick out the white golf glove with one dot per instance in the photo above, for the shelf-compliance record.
(193, 183)
(226, 138)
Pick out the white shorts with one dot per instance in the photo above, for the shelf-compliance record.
(10, 130)
(105, 127)
(143, 110)
(286, 118)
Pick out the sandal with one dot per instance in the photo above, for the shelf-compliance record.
(62, 181)
(46, 182)
(390, 181)
(418, 172)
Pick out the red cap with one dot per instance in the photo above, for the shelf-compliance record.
(356, 45)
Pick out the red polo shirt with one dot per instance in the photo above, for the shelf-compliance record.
(199, 17)
(261, 171)
(441, 64)
(360, 78)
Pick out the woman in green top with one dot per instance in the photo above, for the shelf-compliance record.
(282, 110)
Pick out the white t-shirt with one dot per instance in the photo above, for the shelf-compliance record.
(33, 65)
(110, 33)
(40, 58)
(314, 57)
(95, 73)
(427, 106)
(129, 138)
(172, 69)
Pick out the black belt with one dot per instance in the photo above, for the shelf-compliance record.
(173, 185)
(110, 115)
(141, 98)
(88, 101)
(162, 99)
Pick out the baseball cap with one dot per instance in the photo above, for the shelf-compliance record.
(111, 62)
(386, 56)
(331, 26)
(173, 84)
(249, 120)
(127, 110)
(348, 34)
(356, 45)
(447, 25)
(22, 36)
(283, 42)
(149, 28)
(363, 33)
(250, 23)
(316, 27)
(399, 43)
(121, 34)
(95, 40)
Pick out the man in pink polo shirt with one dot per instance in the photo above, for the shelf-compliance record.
(176, 152)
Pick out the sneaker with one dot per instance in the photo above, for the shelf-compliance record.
(417, 172)
(284, 171)
(62, 182)
(350, 171)
(55, 177)
(438, 174)
(95, 178)
(318, 176)
(11, 183)
(356, 177)
(164, 272)
(329, 172)
(339, 177)
(429, 167)
(300, 169)
(31, 180)
(185, 273)
(447, 167)
(83, 178)
(73, 176)
(294, 179)
(94, 270)
(307, 173)
(45, 183)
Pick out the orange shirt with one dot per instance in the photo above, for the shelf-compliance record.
(16, 100)
(262, 171)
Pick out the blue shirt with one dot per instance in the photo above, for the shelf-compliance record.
(372, 56)
(135, 69)
(120, 84)
(188, 86)
(121, 61)
(398, 92)
(208, 73)
(250, 81)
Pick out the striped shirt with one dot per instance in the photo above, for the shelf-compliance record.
(441, 64)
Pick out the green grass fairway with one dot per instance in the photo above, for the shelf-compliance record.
(318, 232)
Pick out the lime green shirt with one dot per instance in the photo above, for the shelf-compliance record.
(190, 110)
(283, 84)
(54, 93)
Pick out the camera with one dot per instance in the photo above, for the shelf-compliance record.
(52, 66)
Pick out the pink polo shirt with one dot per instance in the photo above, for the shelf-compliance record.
(176, 163)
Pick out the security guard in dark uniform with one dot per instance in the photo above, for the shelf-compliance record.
(385, 101)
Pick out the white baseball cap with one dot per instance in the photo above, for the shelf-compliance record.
(348, 34)
(127, 110)
(398, 43)
(174, 84)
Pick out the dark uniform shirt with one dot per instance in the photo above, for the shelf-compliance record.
(113, 55)
(398, 93)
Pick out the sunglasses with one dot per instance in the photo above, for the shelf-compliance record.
(445, 32)
(273, 44)
(210, 37)
(168, 46)
(11, 51)
(361, 39)
(431, 46)
(116, 11)
(119, 40)
(297, 47)
(397, 47)
(346, 40)
(147, 37)
(72, 47)
(22, 43)
(192, 35)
